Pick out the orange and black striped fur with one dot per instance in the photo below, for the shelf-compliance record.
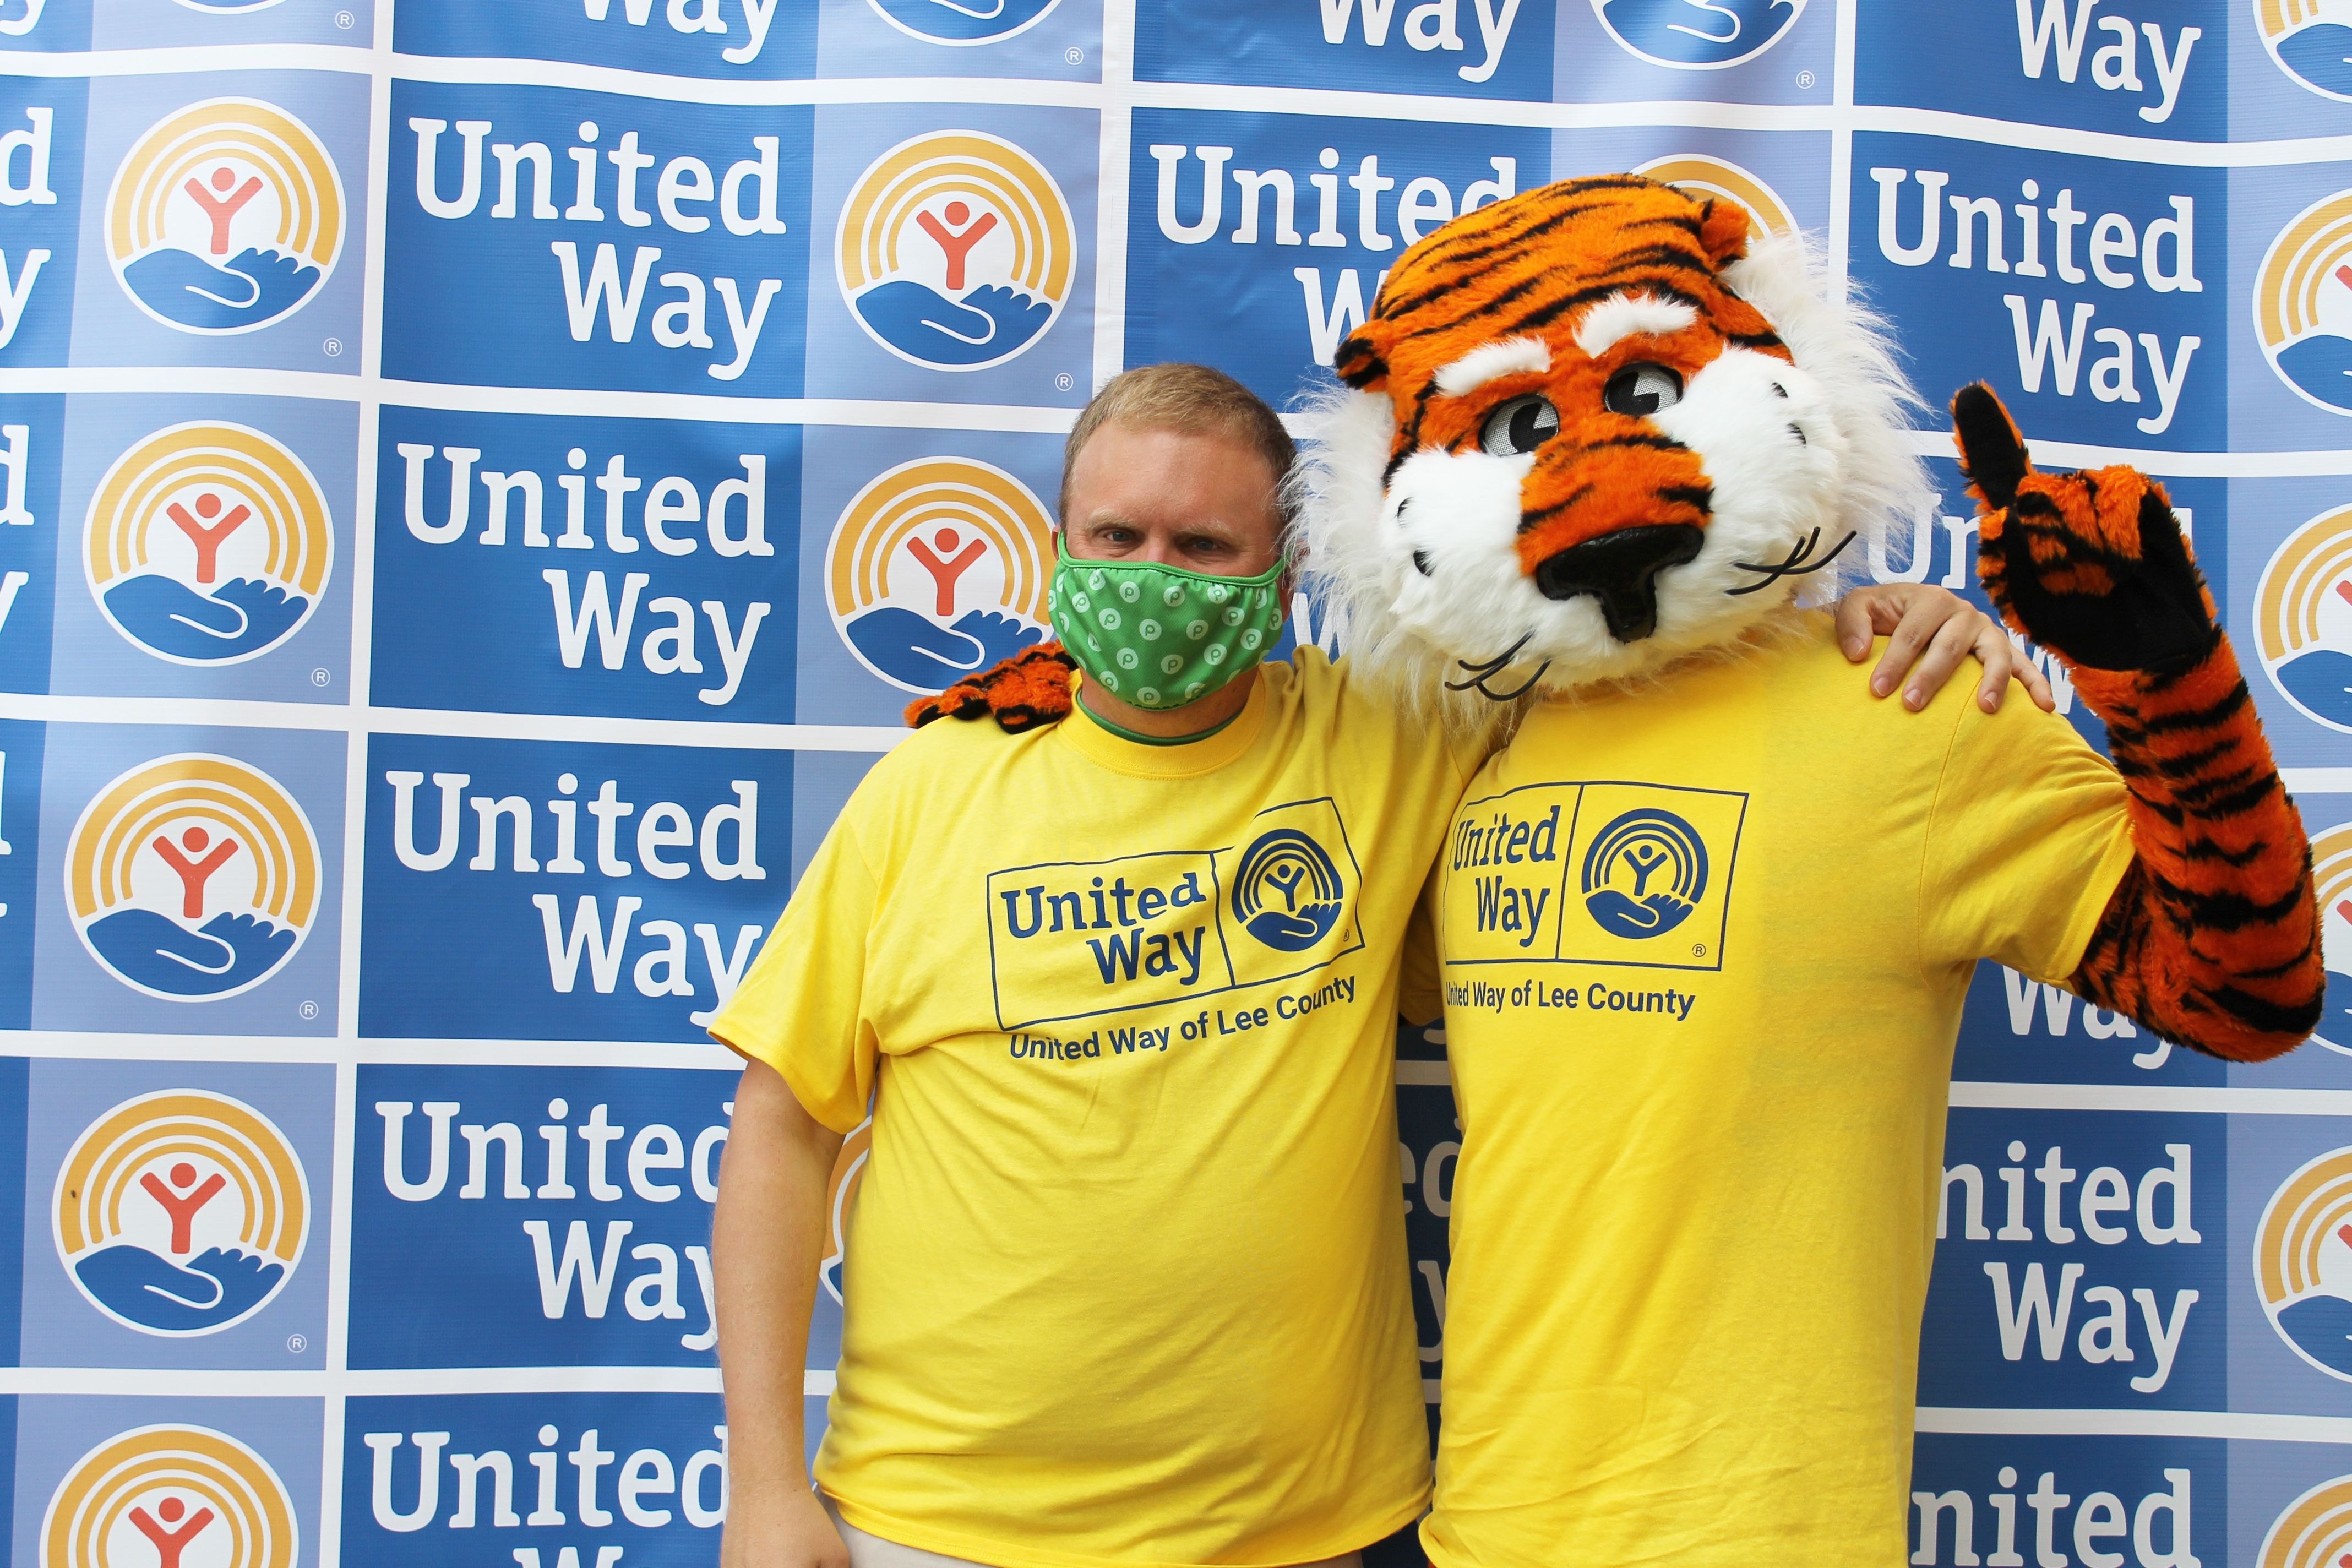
(2213, 938)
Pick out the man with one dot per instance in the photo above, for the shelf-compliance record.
(1128, 1284)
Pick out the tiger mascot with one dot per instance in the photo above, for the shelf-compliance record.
(1706, 923)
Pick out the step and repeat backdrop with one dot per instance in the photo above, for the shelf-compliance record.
(479, 480)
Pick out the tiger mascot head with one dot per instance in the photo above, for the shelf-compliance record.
(1589, 431)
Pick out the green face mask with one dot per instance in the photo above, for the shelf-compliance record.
(1161, 636)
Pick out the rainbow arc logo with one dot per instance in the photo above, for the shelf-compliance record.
(2315, 1530)
(2311, 40)
(207, 543)
(182, 1213)
(956, 250)
(224, 216)
(2303, 1263)
(193, 877)
(938, 569)
(1701, 175)
(2303, 303)
(186, 1496)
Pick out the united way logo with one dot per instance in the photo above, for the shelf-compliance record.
(2302, 619)
(182, 1213)
(2315, 1530)
(2312, 42)
(207, 544)
(181, 1497)
(1705, 177)
(193, 877)
(2331, 870)
(956, 250)
(938, 569)
(224, 217)
(2303, 1263)
(1288, 893)
(1697, 35)
(1644, 874)
(2303, 304)
(962, 21)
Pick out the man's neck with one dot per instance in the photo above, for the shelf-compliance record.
(1211, 712)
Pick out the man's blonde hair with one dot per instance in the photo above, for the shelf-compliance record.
(1187, 397)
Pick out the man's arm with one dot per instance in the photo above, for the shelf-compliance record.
(767, 1236)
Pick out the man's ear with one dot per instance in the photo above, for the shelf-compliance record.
(1361, 360)
(1723, 229)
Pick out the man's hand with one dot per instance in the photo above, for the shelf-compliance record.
(1928, 631)
(789, 1530)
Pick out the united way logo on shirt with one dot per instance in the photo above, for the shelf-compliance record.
(2312, 42)
(962, 21)
(188, 1497)
(2303, 303)
(2303, 1263)
(1644, 873)
(193, 877)
(1697, 35)
(956, 250)
(224, 216)
(207, 544)
(2302, 619)
(938, 569)
(1703, 176)
(1287, 892)
(2331, 869)
(182, 1213)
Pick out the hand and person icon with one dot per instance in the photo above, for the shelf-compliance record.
(182, 1200)
(960, 325)
(152, 948)
(212, 620)
(204, 533)
(222, 207)
(929, 652)
(165, 1530)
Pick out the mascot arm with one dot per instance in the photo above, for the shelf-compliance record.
(1030, 689)
(2212, 937)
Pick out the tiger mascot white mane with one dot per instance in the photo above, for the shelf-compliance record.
(1588, 432)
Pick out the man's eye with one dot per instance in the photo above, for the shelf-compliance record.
(1641, 389)
(1520, 425)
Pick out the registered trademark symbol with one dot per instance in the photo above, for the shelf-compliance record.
(1075, 55)
(296, 1343)
(1805, 79)
(1698, 949)
(333, 346)
(344, 19)
(322, 677)
(1064, 381)
(309, 1010)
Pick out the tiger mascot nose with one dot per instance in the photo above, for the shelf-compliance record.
(1621, 569)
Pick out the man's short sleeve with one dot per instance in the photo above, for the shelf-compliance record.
(2028, 839)
(801, 1010)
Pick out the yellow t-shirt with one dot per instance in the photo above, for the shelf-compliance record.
(1705, 949)
(1127, 1280)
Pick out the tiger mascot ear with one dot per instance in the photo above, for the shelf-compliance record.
(1723, 228)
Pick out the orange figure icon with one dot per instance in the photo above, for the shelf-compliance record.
(183, 1206)
(957, 237)
(205, 534)
(945, 565)
(2345, 588)
(224, 206)
(168, 1543)
(193, 873)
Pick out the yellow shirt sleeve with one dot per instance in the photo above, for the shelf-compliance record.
(2027, 838)
(802, 1009)
(1420, 994)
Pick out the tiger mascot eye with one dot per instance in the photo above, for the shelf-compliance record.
(1708, 920)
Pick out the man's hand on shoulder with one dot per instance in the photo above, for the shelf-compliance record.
(789, 1530)
(1928, 631)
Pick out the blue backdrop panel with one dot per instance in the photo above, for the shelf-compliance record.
(461, 467)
